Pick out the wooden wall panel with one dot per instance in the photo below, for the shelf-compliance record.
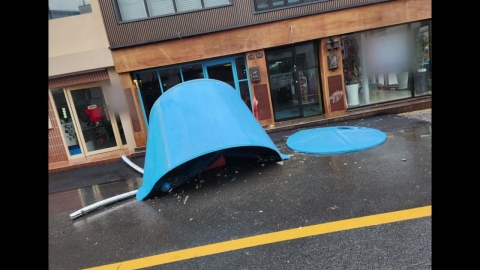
(267, 35)
(263, 98)
(261, 63)
(326, 74)
(139, 135)
(336, 93)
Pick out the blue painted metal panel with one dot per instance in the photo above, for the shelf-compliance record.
(191, 126)
(335, 140)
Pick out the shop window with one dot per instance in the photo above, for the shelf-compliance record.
(230, 71)
(241, 69)
(387, 64)
(120, 128)
(245, 93)
(131, 10)
(192, 72)
(170, 78)
(149, 87)
(67, 128)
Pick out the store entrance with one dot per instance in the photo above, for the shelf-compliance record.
(151, 84)
(97, 126)
(87, 126)
(294, 81)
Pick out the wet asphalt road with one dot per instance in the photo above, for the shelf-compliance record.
(242, 200)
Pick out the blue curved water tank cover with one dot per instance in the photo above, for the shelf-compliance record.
(193, 125)
(335, 140)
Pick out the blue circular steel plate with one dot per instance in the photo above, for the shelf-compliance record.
(335, 140)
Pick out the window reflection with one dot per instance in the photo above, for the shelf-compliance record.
(66, 8)
(170, 78)
(67, 127)
(387, 64)
(149, 88)
(241, 69)
(192, 72)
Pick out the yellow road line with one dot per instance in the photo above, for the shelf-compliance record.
(269, 238)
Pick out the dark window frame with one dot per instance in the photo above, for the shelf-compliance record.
(118, 15)
(285, 5)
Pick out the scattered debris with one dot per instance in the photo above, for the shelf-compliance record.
(185, 199)
(260, 211)
(191, 218)
(280, 162)
(344, 163)
(334, 207)
(233, 179)
(263, 165)
(404, 159)
(359, 167)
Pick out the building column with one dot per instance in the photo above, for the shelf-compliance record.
(260, 89)
(132, 100)
(333, 85)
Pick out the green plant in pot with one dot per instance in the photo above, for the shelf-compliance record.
(422, 46)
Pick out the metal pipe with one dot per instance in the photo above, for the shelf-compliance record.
(101, 203)
(133, 165)
(94, 206)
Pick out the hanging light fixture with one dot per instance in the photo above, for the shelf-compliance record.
(329, 44)
(335, 44)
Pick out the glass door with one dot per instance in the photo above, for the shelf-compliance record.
(294, 81)
(281, 71)
(98, 129)
(308, 79)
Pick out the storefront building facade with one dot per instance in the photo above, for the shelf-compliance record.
(286, 59)
(87, 109)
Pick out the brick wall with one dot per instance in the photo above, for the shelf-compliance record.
(56, 149)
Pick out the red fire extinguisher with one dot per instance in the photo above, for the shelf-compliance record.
(255, 105)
